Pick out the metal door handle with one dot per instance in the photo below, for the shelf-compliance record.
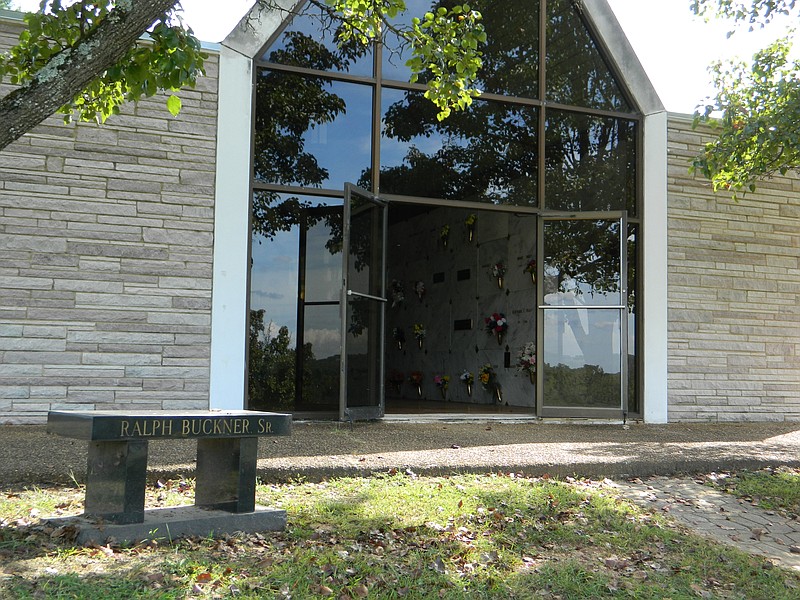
(360, 295)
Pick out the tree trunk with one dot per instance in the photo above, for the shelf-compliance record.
(71, 70)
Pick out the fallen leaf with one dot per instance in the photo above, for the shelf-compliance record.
(361, 591)
(438, 565)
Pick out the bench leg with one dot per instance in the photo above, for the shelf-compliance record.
(226, 474)
(116, 475)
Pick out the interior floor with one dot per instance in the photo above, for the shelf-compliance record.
(422, 406)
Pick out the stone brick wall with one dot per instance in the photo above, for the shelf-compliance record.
(734, 285)
(106, 241)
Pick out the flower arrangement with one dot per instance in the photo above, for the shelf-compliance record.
(442, 381)
(496, 324)
(419, 334)
(526, 359)
(396, 292)
(468, 379)
(487, 376)
(419, 289)
(415, 378)
(488, 379)
(444, 234)
(399, 336)
(498, 270)
(531, 268)
(470, 223)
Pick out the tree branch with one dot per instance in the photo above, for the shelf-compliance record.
(74, 68)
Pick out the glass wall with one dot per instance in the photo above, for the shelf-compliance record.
(558, 134)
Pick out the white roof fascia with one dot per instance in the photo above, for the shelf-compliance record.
(622, 55)
(257, 26)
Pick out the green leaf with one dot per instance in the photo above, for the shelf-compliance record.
(174, 105)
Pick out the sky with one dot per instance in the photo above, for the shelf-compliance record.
(673, 45)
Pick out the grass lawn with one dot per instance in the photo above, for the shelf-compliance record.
(771, 489)
(393, 536)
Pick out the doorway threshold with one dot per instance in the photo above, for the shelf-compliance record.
(493, 418)
(448, 417)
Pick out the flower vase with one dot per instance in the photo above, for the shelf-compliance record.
(419, 391)
(498, 392)
(499, 336)
(443, 392)
(532, 375)
(500, 282)
(470, 232)
(469, 390)
(419, 343)
(444, 242)
(533, 277)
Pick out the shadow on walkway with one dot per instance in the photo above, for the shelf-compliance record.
(28, 455)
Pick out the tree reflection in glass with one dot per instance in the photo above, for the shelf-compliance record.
(577, 75)
(486, 154)
(510, 54)
(590, 162)
(582, 262)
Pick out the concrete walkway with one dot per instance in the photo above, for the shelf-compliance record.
(721, 517)
(325, 449)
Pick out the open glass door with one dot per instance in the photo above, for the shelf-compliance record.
(584, 317)
(361, 393)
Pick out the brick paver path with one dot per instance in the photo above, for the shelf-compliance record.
(720, 516)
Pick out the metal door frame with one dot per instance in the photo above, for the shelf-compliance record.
(543, 411)
(362, 412)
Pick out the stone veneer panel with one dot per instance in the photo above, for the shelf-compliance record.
(106, 238)
(734, 280)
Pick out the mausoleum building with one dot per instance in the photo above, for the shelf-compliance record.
(307, 236)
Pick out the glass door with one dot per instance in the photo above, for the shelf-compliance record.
(583, 310)
(363, 301)
(318, 331)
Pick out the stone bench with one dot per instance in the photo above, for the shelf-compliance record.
(227, 453)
